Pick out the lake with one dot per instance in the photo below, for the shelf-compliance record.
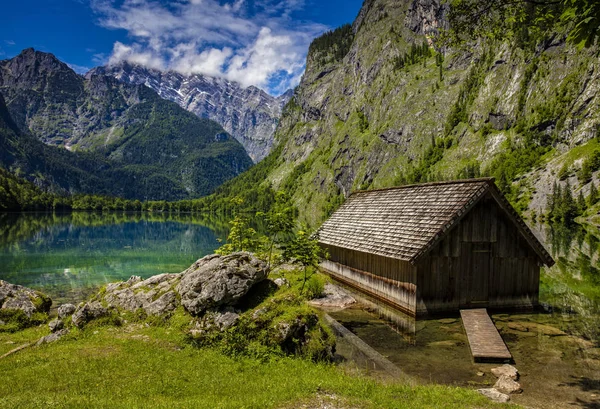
(69, 256)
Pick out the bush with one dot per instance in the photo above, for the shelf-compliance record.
(315, 287)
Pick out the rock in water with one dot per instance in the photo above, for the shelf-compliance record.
(506, 370)
(215, 280)
(16, 297)
(506, 384)
(494, 395)
(87, 312)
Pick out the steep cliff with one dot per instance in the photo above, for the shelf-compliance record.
(250, 115)
(393, 111)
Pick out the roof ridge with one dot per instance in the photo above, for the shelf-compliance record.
(439, 183)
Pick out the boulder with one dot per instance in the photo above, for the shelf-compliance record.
(66, 310)
(215, 281)
(506, 370)
(506, 384)
(494, 395)
(16, 297)
(215, 320)
(164, 304)
(334, 297)
(88, 312)
(53, 337)
(56, 325)
(155, 295)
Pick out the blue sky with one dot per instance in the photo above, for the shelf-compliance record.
(254, 42)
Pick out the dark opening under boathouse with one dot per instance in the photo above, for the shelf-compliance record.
(435, 247)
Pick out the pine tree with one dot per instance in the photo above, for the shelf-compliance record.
(581, 205)
(593, 196)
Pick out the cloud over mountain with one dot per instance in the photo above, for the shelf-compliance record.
(252, 42)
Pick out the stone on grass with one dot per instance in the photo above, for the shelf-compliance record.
(506, 384)
(281, 282)
(88, 312)
(66, 310)
(215, 281)
(506, 370)
(334, 297)
(494, 395)
(17, 297)
(56, 325)
(53, 337)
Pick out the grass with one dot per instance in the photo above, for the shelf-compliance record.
(151, 367)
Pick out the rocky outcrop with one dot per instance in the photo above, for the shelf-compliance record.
(249, 114)
(214, 281)
(16, 297)
(87, 312)
(66, 310)
(55, 336)
(154, 295)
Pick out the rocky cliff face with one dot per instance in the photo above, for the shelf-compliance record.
(249, 114)
(140, 145)
(379, 117)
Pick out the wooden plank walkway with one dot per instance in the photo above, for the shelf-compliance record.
(484, 339)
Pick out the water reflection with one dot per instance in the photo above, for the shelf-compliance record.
(70, 255)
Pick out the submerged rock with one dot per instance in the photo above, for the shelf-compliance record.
(506, 370)
(494, 395)
(215, 281)
(17, 297)
(506, 384)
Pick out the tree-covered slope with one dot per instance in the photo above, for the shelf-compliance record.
(391, 111)
(127, 141)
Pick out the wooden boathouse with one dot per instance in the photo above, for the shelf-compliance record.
(435, 247)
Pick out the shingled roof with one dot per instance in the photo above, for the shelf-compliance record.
(406, 222)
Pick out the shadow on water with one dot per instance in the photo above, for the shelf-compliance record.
(70, 255)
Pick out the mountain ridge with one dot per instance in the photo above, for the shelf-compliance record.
(249, 114)
(158, 148)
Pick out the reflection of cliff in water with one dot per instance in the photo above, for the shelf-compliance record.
(572, 286)
(15, 227)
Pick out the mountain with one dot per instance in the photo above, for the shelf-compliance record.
(249, 114)
(126, 140)
(379, 106)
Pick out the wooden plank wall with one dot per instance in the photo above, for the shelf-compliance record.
(482, 262)
(390, 279)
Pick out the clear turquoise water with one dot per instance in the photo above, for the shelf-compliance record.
(69, 256)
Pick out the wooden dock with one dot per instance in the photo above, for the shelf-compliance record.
(485, 341)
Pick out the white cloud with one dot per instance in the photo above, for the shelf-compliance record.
(252, 42)
(79, 69)
(10, 42)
